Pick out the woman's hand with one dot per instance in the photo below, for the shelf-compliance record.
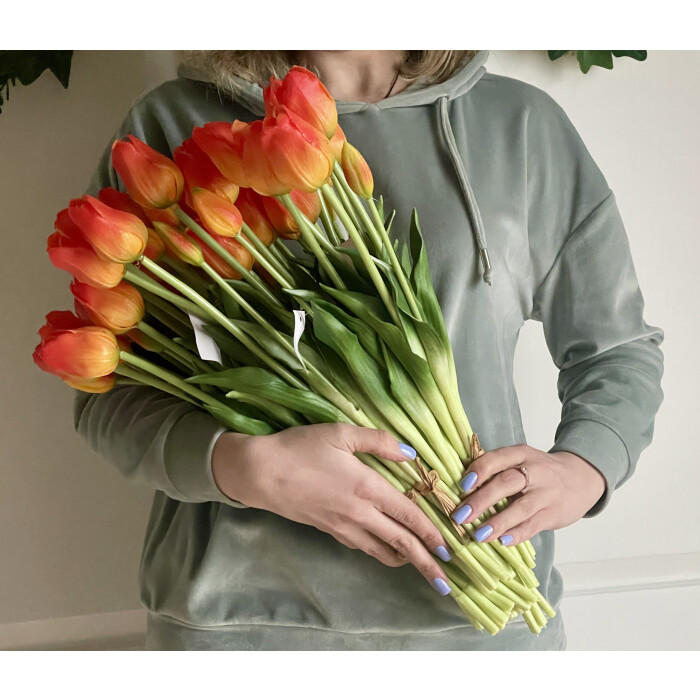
(309, 474)
(562, 488)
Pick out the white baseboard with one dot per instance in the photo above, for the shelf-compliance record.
(125, 630)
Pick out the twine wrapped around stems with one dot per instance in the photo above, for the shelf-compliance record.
(430, 483)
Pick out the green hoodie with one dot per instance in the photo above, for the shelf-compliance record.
(489, 162)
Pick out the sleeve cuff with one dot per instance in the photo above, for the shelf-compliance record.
(190, 446)
(599, 445)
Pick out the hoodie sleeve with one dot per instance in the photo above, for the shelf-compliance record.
(151, 437)
(589, 302)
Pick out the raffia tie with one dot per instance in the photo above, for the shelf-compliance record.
(430, 483)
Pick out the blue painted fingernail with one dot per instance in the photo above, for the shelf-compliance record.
(407, 451)
(506, 539)
(482, 533)
(468, 482)
(462, 513)
(442, 553)
(441, 586)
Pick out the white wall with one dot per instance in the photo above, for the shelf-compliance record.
(72, 528)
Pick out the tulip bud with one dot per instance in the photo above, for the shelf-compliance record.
(304, 94)
(122, 201)
(145, 341)
(200, 171)
(337, 141)
(290, 155)
(95, 385)
(69, 251)
(76, 352)
(219, 265)
(309, 203)
(179, 244)
(357, 172)
(216, 140)
(252, 209)
(167, 215)
(217, 214)
(115, 235)
(155, 248)
(151, 178)
(118, 309)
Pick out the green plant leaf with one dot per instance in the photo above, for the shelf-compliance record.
(586, 59)
(636, 55)
(554, 55)
(238, 422)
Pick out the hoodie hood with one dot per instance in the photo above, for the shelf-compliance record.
(250, 96)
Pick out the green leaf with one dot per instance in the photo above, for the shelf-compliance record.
(238, 422)
(423, 285)
(586, 59)
(370, 376)
(285, 417)
(636, 55)
(554, 55)
(259, 301)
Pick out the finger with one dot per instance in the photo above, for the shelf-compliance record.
(504, 484)
(386, 499)
(493, 462)
(358, 538)
(378, 442)
(409, 546)
(509, 518)
(527, 529)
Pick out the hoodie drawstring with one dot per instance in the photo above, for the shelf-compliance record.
(467, 191)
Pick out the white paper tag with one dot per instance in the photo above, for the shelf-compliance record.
(206, 345)
(299, 325)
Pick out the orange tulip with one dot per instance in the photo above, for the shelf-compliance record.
(155, 248)
(75, 352)
(199, 171)
(290, 154)
(357, 172)
(151, 178)
(304, 94)
(252, 209)
(233, 247)
(115, 235)
(337, 144)
(94, 385)
(167, 216)
(122, 201)
(68, 250)
(217, 142)
(217, 214)
(179, 244)
(118, 309)
(309, 204)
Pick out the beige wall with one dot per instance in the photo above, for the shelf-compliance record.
(72, 527)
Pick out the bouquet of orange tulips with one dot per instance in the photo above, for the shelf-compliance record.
(186, 284)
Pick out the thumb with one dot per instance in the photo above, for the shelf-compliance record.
(377, 442)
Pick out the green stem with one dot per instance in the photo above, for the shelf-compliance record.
(328, 225)
(185, 273)
(242, 270)
(310, 240)
(227, 323)
(170, 378)
(265, 259)
(398, 270)
(355, 202)
(138, 278)
(364, 254)
(187, 357)
(141, 378)
(248, 308)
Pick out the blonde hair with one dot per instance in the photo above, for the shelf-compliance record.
(258, 66)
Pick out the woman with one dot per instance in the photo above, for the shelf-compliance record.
(263, 542)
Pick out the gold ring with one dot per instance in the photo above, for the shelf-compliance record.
(526, 475)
